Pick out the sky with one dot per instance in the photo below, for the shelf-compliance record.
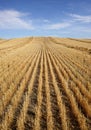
(60, 18)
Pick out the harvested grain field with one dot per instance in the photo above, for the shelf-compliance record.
(45, 84)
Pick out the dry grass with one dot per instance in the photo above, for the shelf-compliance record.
(45, 84)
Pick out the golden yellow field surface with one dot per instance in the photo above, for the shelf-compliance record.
(45, 84)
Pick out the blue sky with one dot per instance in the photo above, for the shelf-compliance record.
(67, 18)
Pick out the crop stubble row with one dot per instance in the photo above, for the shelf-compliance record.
(41, 88)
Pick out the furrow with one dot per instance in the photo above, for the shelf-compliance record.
(49, 112)
(77, 113)
(14, 102)
(13, 88)
(61, 111)
(39, 97)
(72, 77)
(26, 112)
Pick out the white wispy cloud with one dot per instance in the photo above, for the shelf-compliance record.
(13, 19)
(84, 19)
(57, 26)
(46, 21)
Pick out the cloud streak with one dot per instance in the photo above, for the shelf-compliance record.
(57, 26)
(80, 18)
(12, 19)
(16, 20)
